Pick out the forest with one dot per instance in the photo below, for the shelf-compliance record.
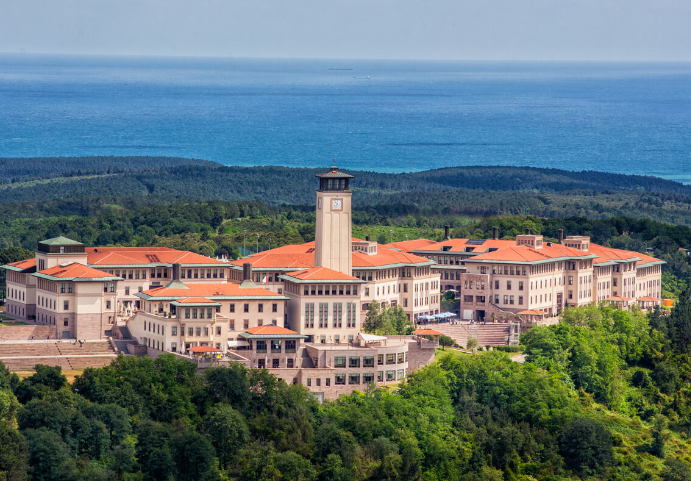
(603, 395)
(62, 186)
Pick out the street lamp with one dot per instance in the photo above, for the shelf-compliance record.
(244, 243)
(390, 235)
(257, 242)
(269, 243)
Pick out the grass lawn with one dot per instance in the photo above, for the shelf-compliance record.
(16, 323)
(4, 318)
(70, 374)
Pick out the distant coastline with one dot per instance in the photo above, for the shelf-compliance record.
(408, 116)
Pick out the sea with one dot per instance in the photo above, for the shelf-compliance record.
(377, 115)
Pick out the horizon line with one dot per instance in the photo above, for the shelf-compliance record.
(377, 59)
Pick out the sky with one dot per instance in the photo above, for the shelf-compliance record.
(564, 30)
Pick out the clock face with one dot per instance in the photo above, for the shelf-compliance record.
(338, 203)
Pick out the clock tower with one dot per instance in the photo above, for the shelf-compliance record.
(333, 233)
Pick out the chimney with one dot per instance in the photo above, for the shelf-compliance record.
(176, 272)
(247, 271)
(367, 238)
(560, 236)
(447, 229)
(495, 232)
(527, 232)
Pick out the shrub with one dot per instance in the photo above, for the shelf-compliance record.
(586, 446)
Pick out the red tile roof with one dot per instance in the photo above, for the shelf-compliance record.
(618, 298)
(210, 290)
(607, 254)
(301, 256)
(427, 332)
(196, 300)
(203, 349)
(321, 274)
(25, 264)
(524, 253)
(75, 271)
(533, 312)
(457, 245)
(648, 299)
(109, 256)
(412, 245)
(269, 330)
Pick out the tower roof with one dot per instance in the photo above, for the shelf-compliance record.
(334, 173)
(60, 241)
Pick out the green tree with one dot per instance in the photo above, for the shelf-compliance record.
(446, 341)
(193, 456)
(586, 446)
(227, 430)
(49, 456)
(676, 470)
(14, 454)
(660, 436)
(680, 322)
(471, 344)
(229, 385)
(46, 379)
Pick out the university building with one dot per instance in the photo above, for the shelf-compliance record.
(297, 310)
(494, 277)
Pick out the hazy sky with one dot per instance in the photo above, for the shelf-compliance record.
(424, 29)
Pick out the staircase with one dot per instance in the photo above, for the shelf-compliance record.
(487, 334)
(23, 356)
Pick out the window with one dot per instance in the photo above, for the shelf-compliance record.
(401, 358)
(289, 363)
(232, 324)
(339, 379)
(107, 304)
(247, 308)
(309, 381)
(198, 331)
(246, 323)
(354, 362)
(62, 288)
(206, 331)
(275, 363)
(340, 361)
(290, 346)
(174, 330)
(508, 285)
(323, 315)
(309, 315)
(353, 379)
(368, 378)
(368, 361)
(69, 288)
(66, 306)
(260, 307)
(187, 313)
(190, 331)
(391, 359)
(275, 347)
(338, 314)
(520, 285)
(261, 346)
(232, 308)
(274, 307)
(65, 322)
